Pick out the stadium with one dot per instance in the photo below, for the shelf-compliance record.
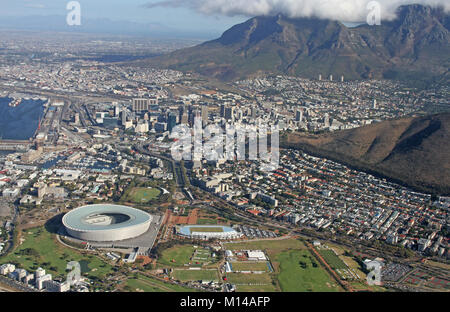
(106, 223)
(206, 232)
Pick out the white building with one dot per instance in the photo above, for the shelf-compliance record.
(53, 286)
(11, 193)
(40, 281)
(256, 255)
(5, 269)
(39, 273)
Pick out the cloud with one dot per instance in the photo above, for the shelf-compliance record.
(343, 10)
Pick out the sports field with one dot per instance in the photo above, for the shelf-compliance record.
(300, 272)
(177, 255)
(146, 284)
(295, 268)
(195, 275)
(142, 195)
(180, 255)
(249, 279)
(207, 229)
(250, 266)
(40, 249)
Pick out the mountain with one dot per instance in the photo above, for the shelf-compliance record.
(413, 151)
(416, 44)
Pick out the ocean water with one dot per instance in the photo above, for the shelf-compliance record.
(21, 122)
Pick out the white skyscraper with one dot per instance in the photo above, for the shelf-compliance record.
(327, 121)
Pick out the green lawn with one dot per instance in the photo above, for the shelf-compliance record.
(256, 288)
(206, 229)
(142, 195)
(250, 266)
(246, 279)
(295, 278)
(332, 259)
(206, 221)
(147, 284)
(40, 249)
(181, 255)
(195, 275)
(293, 265)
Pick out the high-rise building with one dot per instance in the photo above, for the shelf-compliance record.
(171, 121)
(326, 121)
(77, 119)
(229, 113)
(124, 118)
(222, 110)
(160, 127)
(142, 105)
(205, 114)
(299, 115)
(116, 110)
(239, 114)
(254, 112)
(184, 118)
(181, 111)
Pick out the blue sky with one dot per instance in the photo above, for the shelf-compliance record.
(125, 10)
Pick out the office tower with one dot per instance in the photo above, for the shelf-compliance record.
(239, 114)
(171, 121)
(181, 111)
(124, 118)
(254, 112)
(327, 121)
(299, 115)
(77, 119)
(222, 110)
(184, 118)
(141, 105)
(152, 101)
(229, 113)
(205, 114)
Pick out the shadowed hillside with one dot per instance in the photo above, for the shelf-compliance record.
(414, 151)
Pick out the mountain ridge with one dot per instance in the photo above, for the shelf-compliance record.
(414, 44)
(411, 151)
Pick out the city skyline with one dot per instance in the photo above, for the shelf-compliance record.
(291, 155)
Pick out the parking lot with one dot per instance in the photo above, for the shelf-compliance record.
(394, 271)
(254, 232)
(5, 209)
